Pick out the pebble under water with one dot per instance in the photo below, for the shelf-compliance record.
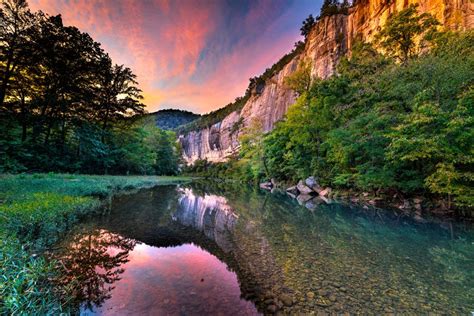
(199, 249)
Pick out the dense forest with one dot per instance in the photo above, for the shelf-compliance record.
(171, 119)
(397, 118)
(66, 107)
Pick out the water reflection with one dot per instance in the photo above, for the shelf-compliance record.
(210, 214)
(140, 259)
(283, 257)
(92, 263)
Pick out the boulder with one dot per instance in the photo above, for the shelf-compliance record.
(303, 198)
(303, 188)
(325, 192)
(405, 205)
(312, 183)
(417, 203)
(313, 203)
(293, 190)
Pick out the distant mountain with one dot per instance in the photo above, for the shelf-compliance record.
(171, 118)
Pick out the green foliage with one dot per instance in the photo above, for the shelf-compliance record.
(307, 25)
(403, 30)
(252, 157)
(171, 118)
(24, 284)
(379, 126)
(300, 80)
(333, 7)
(34, 210)
(41, 214)
(64, 105)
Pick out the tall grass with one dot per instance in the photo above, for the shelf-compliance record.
(34, 211)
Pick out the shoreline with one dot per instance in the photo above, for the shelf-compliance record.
(35, 211)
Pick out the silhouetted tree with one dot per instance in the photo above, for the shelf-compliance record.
(15, 22)
(307, 25)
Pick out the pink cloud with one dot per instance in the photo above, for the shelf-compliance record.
(164, 42)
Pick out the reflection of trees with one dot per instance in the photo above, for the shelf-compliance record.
(92, 263)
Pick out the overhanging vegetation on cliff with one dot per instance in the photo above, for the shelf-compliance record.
(255, 85)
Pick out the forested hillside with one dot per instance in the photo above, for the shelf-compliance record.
(170, 119)
(65, 106)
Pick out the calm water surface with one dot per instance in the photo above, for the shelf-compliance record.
(199, 249)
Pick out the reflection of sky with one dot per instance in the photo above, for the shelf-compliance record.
(168, 280)
(195, 55)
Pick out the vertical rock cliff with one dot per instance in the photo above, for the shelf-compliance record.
(331, 38)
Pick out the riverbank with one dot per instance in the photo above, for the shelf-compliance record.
(35, 209)
(419, 206)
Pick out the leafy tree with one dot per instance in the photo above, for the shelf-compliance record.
(300, 80)
(404, 34)
(118, 93)
(64, 105)
(251, 152)
(15, 23)
(307, 25)
(333, 7)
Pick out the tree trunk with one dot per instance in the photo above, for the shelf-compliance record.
(23, 119)
(6, 77)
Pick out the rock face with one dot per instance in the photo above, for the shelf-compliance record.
(331, 38)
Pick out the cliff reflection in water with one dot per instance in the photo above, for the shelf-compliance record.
(207, 249)
(140, 259)
(210, 214)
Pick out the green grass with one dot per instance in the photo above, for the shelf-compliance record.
(34, 211)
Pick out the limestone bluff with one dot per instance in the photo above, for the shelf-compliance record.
(331, 38)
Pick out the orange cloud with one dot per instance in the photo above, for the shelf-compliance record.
(189, 54)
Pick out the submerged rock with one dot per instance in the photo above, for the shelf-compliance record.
(286, 299)
(303, 198)
(293, 190)
(293, 196)
(272, 309)
(311, 205)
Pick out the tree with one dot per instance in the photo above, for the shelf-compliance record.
(300, 80)
(64, 105)
(404, 33)
(252, 155)
(333, 7)
(118, 93)
(307, 25)
(15, 23)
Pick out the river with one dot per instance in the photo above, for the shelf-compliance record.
(200, 249)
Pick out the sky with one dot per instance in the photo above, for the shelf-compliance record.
(194, 55)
